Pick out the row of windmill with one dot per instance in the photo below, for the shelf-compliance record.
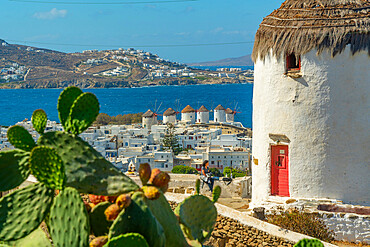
(190, 115)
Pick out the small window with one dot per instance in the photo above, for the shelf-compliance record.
(293, 62)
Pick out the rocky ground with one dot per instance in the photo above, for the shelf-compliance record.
(231, 233)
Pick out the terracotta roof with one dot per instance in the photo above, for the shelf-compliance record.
(299, 26)
(203, 109)
(148, 113)
(229, 111)
(220, 108)
(169, 112)
(188, 109)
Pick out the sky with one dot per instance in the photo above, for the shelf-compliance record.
(149, 25)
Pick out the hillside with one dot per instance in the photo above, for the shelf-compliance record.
(237, 61)
(31, 67)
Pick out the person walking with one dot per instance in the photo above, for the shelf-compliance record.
(206, 175)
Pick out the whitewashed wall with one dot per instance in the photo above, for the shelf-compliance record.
(169, 119)
(325, 114)
(189, 116)
(219, 116)
(202, 117)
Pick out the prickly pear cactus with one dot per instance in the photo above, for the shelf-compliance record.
(36, 239)
(65, 102)
(69, 223)
(20, 138)
(161, 209)
(99, 241)
(83, 113)
(128, 240)
(216, 193)
(47, 167)
(138, 218)
(198, 214)
(22, 211)
(86, 170)
(14, 168)
(144, 173)
(197, 186)
(39, 120)
(99, 224)
(309, 243)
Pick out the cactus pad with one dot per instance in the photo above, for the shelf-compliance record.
(85, 168)
(161, 209)
(99, 224)
(20, 138)
(216, 193)
(309, 243)
(65, 102)
(14, 168)
(22, 211)
(47, 167)
(83, 113)
(69, 223)
(138, 218)
(39, 120)
(198, 214)
(197, 186)
(128, 240)
(36, 238)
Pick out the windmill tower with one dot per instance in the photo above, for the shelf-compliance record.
(311, 102)
(149, 119)
(188, 114)
(203, 115)
(219, 114)
(169, 116)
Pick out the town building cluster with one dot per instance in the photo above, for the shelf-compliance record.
(223, 142)
(12, 72)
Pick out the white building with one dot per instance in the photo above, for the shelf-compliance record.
(229, 115)
(222, 157)
(311, 102)
(149, 118)
(203, 115)
(188, 114)
(169, 116)
(219, 114)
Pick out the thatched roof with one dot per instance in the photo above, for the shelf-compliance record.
(169, 112)
(220, 108)
(299, 26)
(188, 109)
(148, 113)
(229, 111)
(203, 109)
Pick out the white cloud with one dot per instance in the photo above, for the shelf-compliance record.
(52, 14)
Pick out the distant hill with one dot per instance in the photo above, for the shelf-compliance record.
(237, 61)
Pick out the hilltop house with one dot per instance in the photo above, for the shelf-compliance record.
(311, 102)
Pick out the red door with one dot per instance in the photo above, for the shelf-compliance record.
(279, 170)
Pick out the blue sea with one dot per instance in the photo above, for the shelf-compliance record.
(18, 104)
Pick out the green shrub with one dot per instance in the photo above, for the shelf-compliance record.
(216, 172)
(236, 173)
(308, 224)
(184, 170)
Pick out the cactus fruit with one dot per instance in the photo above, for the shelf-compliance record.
(138, 218)
(197, 186)
(47, 167)
(309, 243)
(151, 192)
(22, 211)
(160, 179)
(199, 215)
(69, 220)
(65, 102)
(99, 224)
(123, 201)
(128, 240)
(162, 211)
(216, 193)
(99, 241)
(14, 168)
(20, 138)
(85, 168)
(144, 173)
(39, 120)
(83, 113)
(95, 199)
(112, 212)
